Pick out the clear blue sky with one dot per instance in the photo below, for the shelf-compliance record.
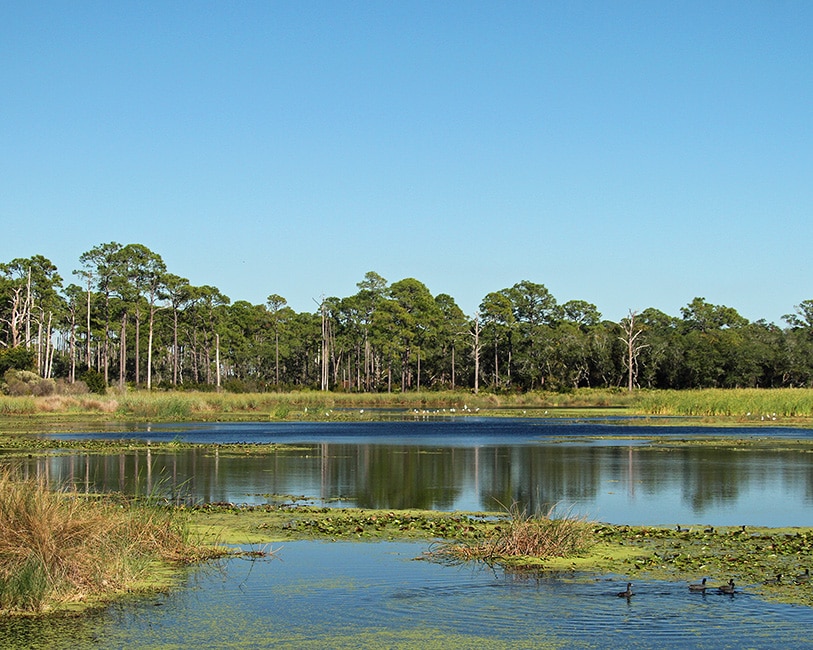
(631, 154)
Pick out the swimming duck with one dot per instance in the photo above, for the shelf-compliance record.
(709, 530)
(700, 586)
(774, 581)
(682, 530)
(627, 593)
(803, 577)
(727, 589)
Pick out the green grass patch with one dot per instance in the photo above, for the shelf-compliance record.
(751, 404)
(758, 406)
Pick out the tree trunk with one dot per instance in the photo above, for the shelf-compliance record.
(137, 346)
(476, 354)
(87, 335)
(123, 352)
(175, 347)
(149, 350)
(217, 359)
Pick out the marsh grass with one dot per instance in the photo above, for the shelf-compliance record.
(183, 405)
(524, 536)
(750, 403)
(759, 405)
(59, 547)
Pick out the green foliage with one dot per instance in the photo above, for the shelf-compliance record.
(385, 337)
(94, 381)
(17, 358)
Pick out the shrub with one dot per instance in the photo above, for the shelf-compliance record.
(94, 381)
(25, 382)
(16, 358)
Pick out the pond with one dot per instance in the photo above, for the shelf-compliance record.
(469, 465)
(317, 594)
(351, 595)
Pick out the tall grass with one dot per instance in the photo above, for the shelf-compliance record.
(58, 547)
(526, 536)
(186, 405)
(754, 403)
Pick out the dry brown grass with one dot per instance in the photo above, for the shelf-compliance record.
(526, 536)
(58, 547)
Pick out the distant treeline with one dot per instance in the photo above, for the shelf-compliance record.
(129, 321)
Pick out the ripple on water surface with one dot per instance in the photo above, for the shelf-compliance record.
(313, 594)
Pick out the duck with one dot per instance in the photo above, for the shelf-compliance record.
(774, 581)
(627, 593)
(727, 589)
(700, 586)
(803, 577)
(682, 530)
(709, 530)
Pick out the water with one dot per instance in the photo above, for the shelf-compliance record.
(317, 594)
(343, 595)
(467, 465)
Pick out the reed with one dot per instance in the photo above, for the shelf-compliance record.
(58, 547)
(526, 536)
(755, 403)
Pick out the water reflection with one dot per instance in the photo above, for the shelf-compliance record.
(622, 482)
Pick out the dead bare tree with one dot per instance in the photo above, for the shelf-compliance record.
(476, 352)
(632, 331)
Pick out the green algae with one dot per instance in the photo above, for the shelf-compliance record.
(752, 558)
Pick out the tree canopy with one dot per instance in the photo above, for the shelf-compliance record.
(135, 322)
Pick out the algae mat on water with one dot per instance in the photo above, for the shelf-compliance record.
(754, 557)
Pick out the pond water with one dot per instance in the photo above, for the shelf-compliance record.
(477, 464)
(316, 594)
(351, 595)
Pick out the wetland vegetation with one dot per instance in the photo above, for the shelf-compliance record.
(753, 557)
(61, 550)
(756, 406)
(768, 562)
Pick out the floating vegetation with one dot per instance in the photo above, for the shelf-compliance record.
(278, 522)
(755, 558)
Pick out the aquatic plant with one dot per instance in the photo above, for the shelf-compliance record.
(524, 535)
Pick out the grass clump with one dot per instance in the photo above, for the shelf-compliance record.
(524, 537)
(58, 548)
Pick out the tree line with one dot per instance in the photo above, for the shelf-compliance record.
(130, 321)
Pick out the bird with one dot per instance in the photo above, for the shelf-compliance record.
(727, 589)
(774, 581)
(710, 529)
(803, 577)
(682, 530)
(627, 593)
(700, 586)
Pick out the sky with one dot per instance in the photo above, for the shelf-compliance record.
(629, 154)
